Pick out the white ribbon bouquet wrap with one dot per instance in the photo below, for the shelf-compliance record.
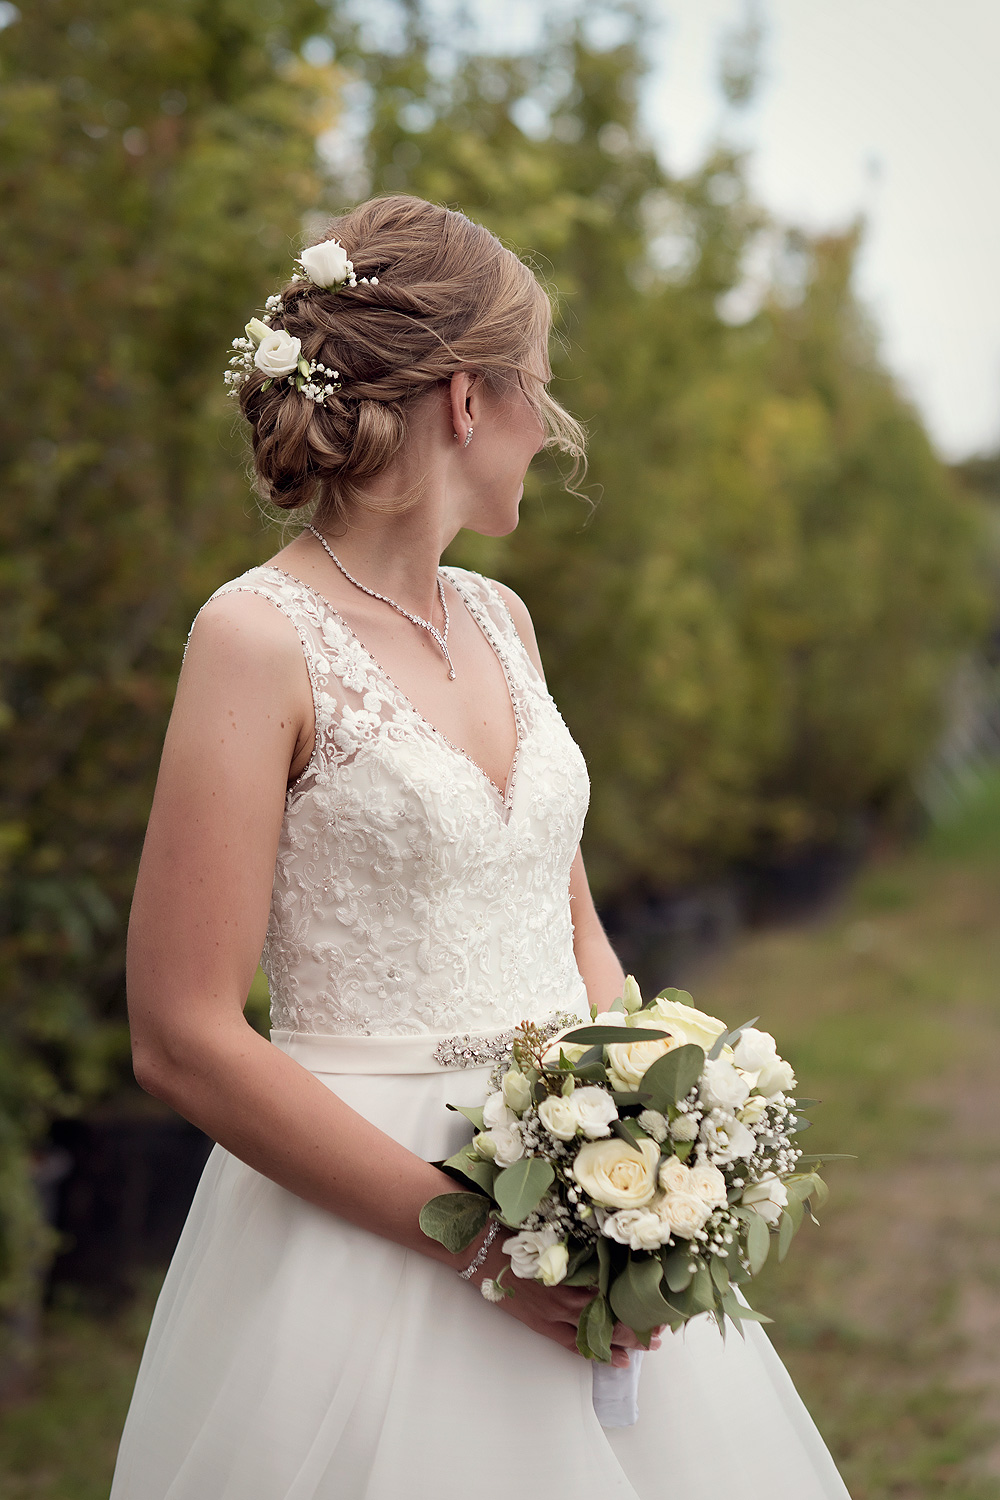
(648, 1157)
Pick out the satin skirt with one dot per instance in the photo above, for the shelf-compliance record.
(293, 1356)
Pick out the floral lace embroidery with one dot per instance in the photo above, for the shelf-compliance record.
(410, 895)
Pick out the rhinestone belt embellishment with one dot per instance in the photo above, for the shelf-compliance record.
(470, 1051)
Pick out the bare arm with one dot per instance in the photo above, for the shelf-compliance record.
(596, 959)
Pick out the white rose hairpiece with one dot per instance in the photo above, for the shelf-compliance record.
(276, 352)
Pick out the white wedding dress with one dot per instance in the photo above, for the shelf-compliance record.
(293, 1356)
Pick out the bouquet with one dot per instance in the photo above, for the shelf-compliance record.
(649, 1156)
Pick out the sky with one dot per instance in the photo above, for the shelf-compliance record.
(890, 109)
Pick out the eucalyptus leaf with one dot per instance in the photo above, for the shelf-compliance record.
(604, 1264)
(681, 996)
(677, 1270)
(454, 1219)
(720, 1273)
(621, 1130)
(594, 1072)
(636, 1299)
(736, 1309)
(625, 1100)
(594, 1330)
(472, 1112)
(519, 1189)
(605, 1035)
(758, 1242)
(673, 1076)
(683, 1149)
(585, 1274)
(786, 1233)
(804, 1103)
(701, 1291)
(482, 1173)
(618, 1006)
(829, 1156)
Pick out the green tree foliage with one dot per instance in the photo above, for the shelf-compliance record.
(155, 160)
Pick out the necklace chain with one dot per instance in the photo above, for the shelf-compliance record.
(440, 637)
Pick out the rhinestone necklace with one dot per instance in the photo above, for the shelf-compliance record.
(440, 637)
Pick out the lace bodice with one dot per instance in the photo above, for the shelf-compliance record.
(411, 895)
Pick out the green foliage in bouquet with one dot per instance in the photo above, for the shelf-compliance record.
(648, 1156)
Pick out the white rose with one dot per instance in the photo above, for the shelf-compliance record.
(595, 1109)
(639, 1228)
(768, 1197)
(628, 1061)
(326, 264)
(278, 353)
(721, 1085)
(753, 1111)
(725, 1138)
(654, 1124)
(516, 1090)
(694, 1026)
(552, 1264)
(485, 1144)
(776, 1078)
(684, 1128)
(756, 1052)
(496, 1113)
(526, 1249)
(684, 1213)
(558, 1115)
(708, 1183)
(673, 1176)
(616, 1174)
(509, 1143)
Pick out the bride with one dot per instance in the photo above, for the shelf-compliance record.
(365, 776)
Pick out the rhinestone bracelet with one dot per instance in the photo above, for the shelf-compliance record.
(481, 1253)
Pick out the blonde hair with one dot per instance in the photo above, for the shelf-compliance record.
(449, 297)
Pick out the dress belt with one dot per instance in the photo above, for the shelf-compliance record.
(422, 1053)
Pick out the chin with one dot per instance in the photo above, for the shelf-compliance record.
(500, 522)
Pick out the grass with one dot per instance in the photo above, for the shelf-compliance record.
(888, 1317)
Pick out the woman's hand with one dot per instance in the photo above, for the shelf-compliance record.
(554, 1312)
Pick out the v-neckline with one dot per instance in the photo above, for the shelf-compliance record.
(506, 795)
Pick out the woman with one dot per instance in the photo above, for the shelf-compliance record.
(365, 774)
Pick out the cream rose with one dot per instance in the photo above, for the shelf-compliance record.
(573, 1050)
(278, 354)
(708, 1183)
(559, 1117)
(629, 1061)
(685, 1213)
(552, 1264)
(326, 264)
(753, 1110)
(595, 1110)
(673, 1176)
(526, 1250)
(694, 1026)
(768, 1197)
(516, 1091)
(639, 1228)
(616, 1174)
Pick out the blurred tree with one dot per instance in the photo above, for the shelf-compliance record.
(155, 161)
(750, 636)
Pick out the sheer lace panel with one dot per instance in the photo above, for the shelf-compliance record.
(410, 894)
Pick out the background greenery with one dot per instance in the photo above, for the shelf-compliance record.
(749, 636)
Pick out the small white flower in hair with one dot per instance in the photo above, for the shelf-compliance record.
(327, 264)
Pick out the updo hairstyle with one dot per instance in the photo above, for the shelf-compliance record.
(449, 297)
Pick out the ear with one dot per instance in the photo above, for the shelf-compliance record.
(464, 396)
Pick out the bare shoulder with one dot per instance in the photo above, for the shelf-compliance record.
(243, 629)
(522, 621)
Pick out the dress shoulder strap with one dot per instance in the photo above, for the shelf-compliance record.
(486, 599)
